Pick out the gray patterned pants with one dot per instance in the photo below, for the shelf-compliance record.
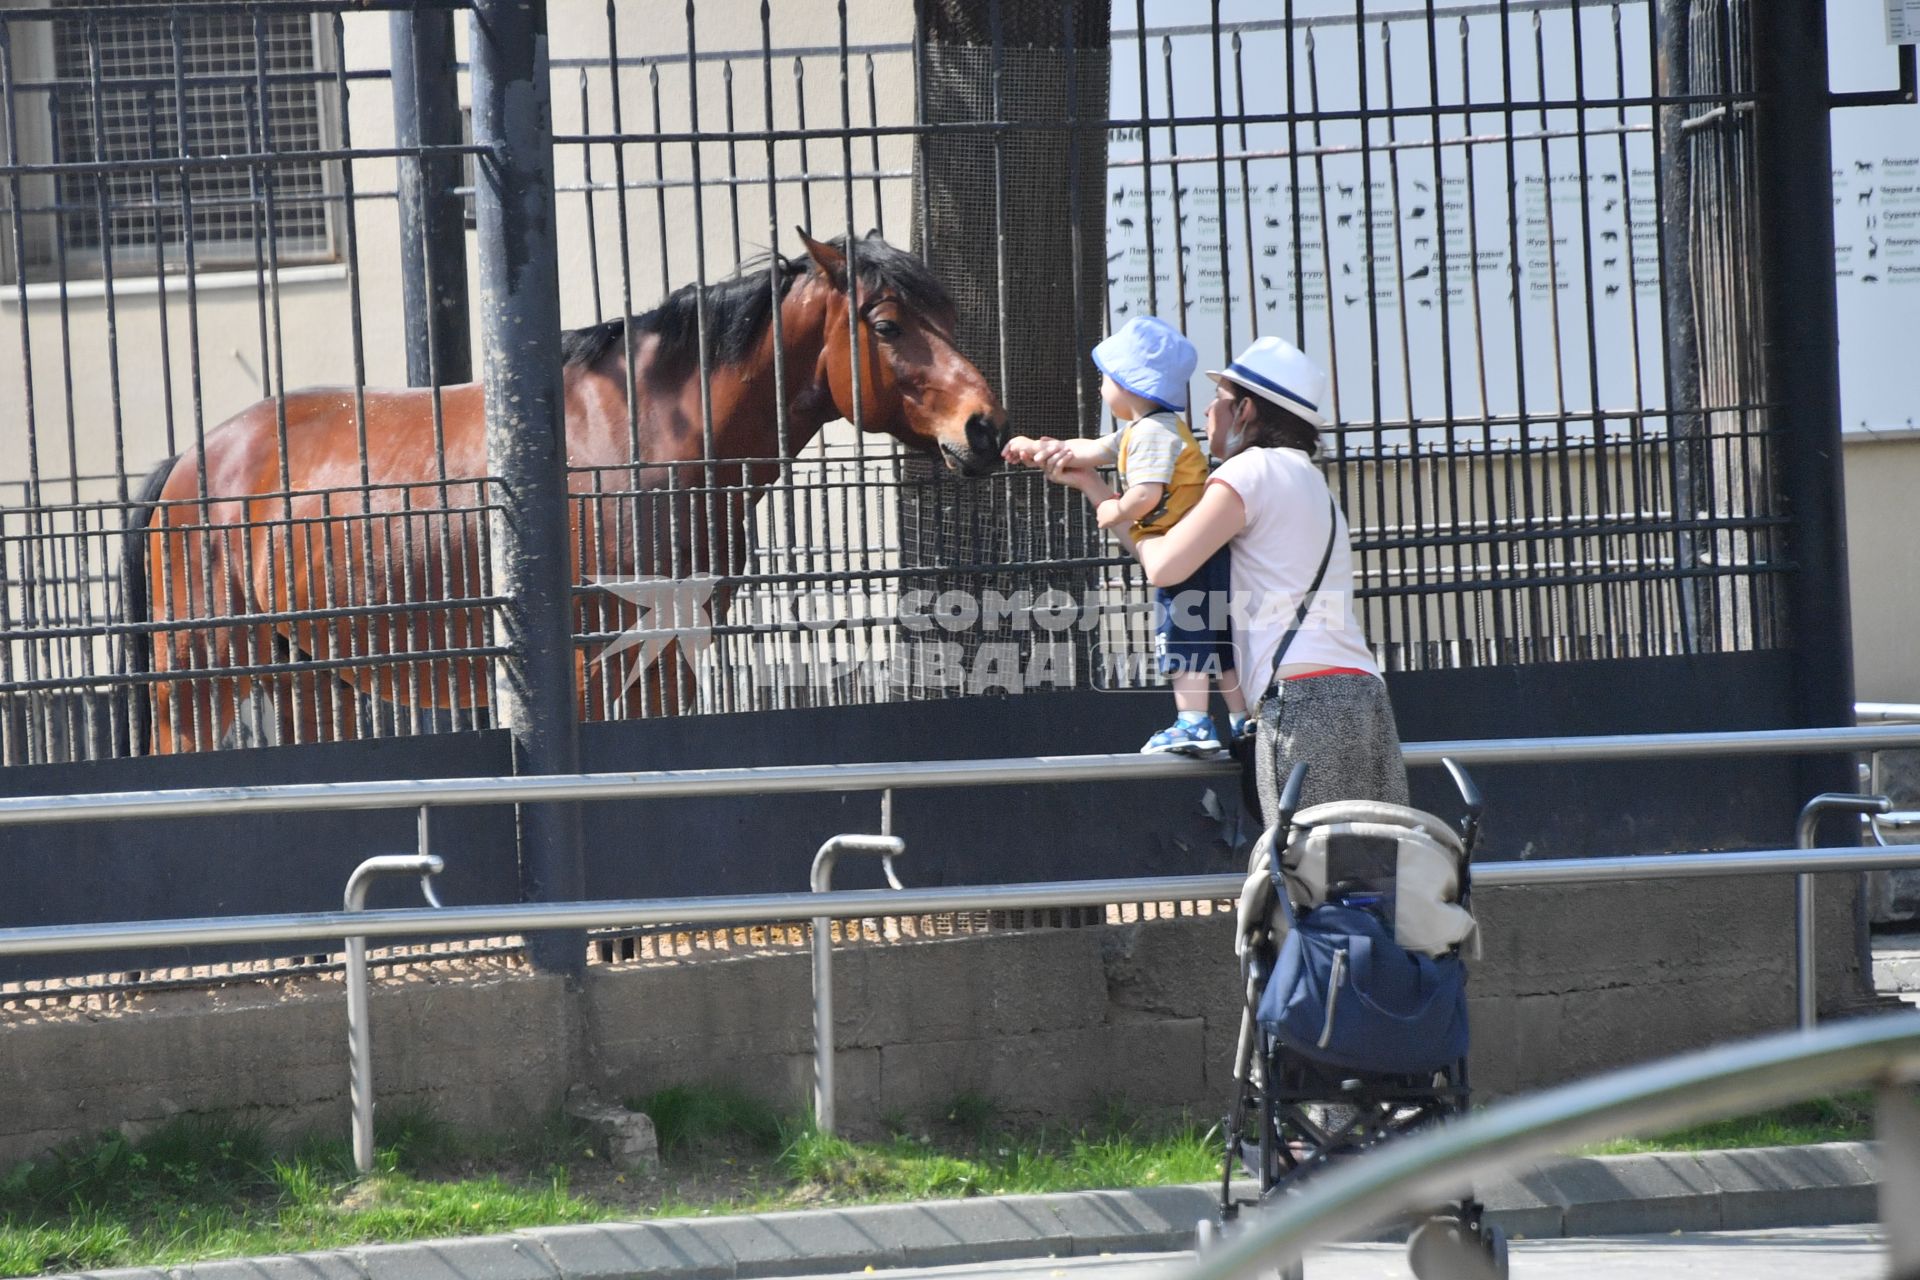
(1343, 727)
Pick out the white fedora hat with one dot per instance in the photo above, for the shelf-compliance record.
(1274, 369)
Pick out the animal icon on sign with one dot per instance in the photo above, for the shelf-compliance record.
(1422, 273)
(1273, 222)
(1419, 211)
(1421, 242)
(1116, 255)
(1119, 195)
(1124, 307)
(1873, 248)
(1863, 166)
(1126, 224)
(1346, 192)
(1865, 197)
(1610, 177)
(1611, 237)
(1345, 220)
(1612, 289)
(1349, 298)
(1421, 186)
(1426, 302)
(1270, 251)
(1273, 304)
(1610, 262)
(1612, 203)
(1869, 279)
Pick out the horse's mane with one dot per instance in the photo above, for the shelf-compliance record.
(740, 307)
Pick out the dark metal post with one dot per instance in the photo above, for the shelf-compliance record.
(533, 696)
(433, 235)
(1794, 194)
(1686, 427)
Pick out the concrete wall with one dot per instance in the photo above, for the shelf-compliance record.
(1883, 559)
(1047, 1024)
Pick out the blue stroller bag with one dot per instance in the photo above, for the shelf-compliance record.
(1345, 994)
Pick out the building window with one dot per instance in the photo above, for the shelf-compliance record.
(231, 64)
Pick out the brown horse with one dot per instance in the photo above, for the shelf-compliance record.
(348, 562)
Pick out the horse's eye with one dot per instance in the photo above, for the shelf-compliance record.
(887, 328)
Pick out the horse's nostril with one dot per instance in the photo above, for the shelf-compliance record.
(984, 435)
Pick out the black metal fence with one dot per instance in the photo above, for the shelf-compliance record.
(1525, 256)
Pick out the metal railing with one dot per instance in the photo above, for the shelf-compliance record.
(1655, 1097)
(922, 774)
(823, 904)
(886, 847)
(837, 904)
(359, 1030)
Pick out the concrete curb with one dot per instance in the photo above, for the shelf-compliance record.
(1764, 1187)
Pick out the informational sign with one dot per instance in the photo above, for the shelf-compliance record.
(1509, 276)
(1903, 21)
(1505, 277)
(1876, 233)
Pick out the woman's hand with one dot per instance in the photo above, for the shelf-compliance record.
(1049, 454)
(1176, 555)
(1062, 471)
(1025, 450)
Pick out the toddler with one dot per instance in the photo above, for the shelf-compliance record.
(1144, 369)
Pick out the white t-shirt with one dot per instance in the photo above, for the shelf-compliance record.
(1274, 559)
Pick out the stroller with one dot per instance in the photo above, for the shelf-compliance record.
(1351, 933)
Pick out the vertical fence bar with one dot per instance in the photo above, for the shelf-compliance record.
(526, 446)
(433, 236)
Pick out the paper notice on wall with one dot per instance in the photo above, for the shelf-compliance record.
(1903, 21)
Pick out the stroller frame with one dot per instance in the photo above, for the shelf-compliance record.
(1293, 1117)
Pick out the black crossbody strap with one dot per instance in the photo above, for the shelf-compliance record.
(1306, 601)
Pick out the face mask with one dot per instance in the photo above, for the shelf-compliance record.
(1232, 438)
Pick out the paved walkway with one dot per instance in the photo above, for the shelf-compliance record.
(1832, 1253)
(1761, 1189)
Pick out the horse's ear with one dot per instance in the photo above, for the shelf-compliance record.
(830, 260)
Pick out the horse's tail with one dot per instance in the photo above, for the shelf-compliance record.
(135, 609)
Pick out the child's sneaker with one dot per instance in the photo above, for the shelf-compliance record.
(1185, 737)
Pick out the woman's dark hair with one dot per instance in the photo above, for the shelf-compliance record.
(1274, 427)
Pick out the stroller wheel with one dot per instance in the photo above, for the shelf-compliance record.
(1445, 1248)
(1494, 1240)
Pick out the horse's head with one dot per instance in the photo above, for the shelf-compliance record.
(914, 383)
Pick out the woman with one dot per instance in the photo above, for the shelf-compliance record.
(1326, 703)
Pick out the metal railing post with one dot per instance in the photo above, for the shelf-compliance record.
(359, 1033)
(1807, 835)
(886, 848)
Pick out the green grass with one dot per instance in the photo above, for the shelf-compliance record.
(1846, 1118)
(194, 1189)
(201, 1189)
(197, 1189)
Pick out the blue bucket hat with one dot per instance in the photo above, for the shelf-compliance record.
(1150, 358)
